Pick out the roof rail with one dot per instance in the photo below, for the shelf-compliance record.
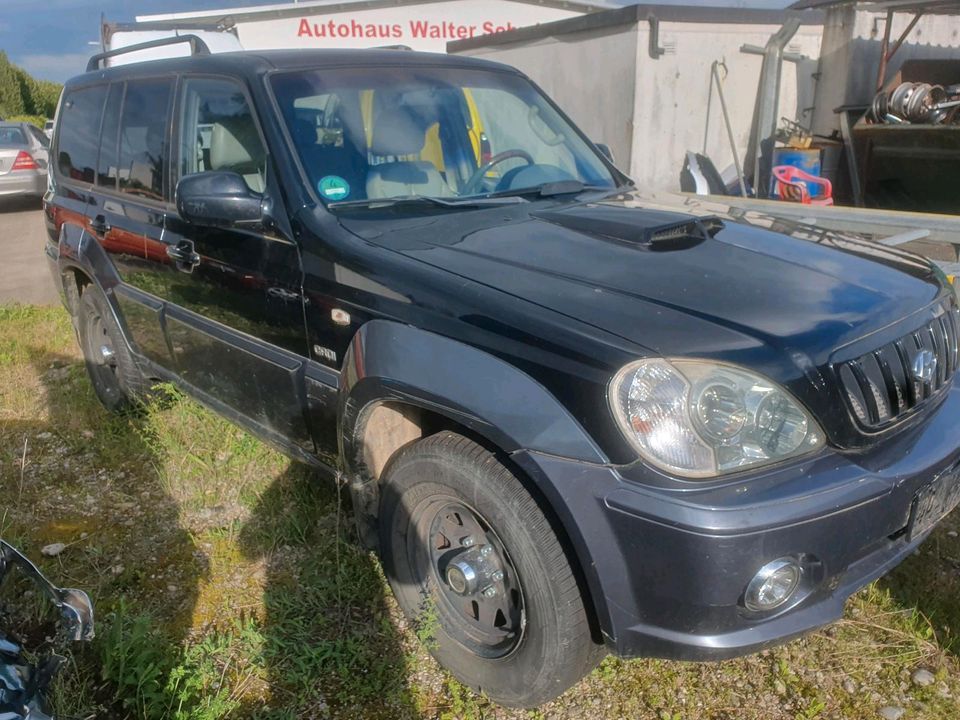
(394, 47)
(197, 47)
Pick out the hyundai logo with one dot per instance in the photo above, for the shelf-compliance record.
(925, 366)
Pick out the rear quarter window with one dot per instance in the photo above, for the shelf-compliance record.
(79, 133)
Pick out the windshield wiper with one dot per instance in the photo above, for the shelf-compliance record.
(427, 200)
(561, 187)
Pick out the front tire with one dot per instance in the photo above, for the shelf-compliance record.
(466, 546)
(116, 378)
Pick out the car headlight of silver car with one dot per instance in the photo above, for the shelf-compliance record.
(701, 419)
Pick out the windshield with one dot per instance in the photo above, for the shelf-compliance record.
(383, 133)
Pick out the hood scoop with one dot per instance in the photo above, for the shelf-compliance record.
(654, 230)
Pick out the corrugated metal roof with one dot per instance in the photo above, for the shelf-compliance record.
(702, 14)
(292, 9)
(939, 7)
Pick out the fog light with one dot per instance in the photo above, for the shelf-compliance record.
(773, 585)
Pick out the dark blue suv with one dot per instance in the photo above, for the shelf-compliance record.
(571, 420)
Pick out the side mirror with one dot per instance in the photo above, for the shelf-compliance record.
(605, 151)
(218, 199)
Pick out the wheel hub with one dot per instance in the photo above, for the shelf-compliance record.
(475, 571)
(462, 578)
(477, 587)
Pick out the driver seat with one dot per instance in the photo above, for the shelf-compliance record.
(397, 134)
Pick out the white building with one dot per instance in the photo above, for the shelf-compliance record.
(426, 25)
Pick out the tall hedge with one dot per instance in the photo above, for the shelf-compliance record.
(20, 94)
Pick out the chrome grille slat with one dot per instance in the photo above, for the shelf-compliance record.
(881, 386)
(936, 382)
(925, 389)
(943, 359)
(873, 412)
(905, 364)
(954, 322)
(950, 332)
(894, 391)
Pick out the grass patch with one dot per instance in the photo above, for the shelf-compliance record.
(228, 584)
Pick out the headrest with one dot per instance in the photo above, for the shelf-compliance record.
(397, 131)
(235, 146)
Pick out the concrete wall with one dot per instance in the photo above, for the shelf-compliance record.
(852, 42)
(650, 111)
(591, 76)
(671, 114)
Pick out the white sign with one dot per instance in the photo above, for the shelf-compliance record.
(428, 26)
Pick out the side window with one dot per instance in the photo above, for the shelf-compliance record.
(217, 132)
(79, 132)
(108, 166)
(143, 133)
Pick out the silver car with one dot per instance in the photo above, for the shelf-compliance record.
(24, 156)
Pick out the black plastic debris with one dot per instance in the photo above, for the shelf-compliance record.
(24, 684)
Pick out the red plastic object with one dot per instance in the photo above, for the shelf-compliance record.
(794, 184)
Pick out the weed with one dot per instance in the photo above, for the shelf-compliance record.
(463, 705)
(227, 585)
(427, 624)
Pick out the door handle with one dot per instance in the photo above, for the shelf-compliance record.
(99, 225)
(183, 254)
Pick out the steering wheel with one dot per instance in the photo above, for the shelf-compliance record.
(473, 184)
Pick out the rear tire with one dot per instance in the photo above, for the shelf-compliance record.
(116, 378)
(527, 638)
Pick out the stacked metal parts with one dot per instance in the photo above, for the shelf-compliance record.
(917, 103)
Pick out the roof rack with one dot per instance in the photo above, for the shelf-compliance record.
(197, 47)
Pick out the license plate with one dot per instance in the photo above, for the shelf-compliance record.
(933, 502)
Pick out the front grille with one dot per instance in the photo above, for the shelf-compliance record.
(893, 381)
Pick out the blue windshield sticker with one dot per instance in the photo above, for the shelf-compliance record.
(334, 187)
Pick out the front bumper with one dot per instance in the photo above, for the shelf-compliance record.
(667, 562)
(31, 183)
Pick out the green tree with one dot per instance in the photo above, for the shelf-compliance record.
(11, 95)
(20, 94)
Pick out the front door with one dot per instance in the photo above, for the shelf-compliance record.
(234, 319)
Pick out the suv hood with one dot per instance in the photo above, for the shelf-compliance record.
(624, 267)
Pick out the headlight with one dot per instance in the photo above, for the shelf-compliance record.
(701, 419)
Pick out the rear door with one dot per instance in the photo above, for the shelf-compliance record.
(132, 197)
(75, 162)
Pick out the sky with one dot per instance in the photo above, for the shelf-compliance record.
(52, 39)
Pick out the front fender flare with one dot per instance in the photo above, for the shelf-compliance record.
(390, 361)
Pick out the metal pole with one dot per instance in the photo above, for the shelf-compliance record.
(715, 76)
(884, 47)
(764, 126)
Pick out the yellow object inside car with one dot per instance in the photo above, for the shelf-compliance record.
(432, 151)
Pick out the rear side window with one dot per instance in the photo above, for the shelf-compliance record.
(79, 132)
(217, 132)
(143, 138)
